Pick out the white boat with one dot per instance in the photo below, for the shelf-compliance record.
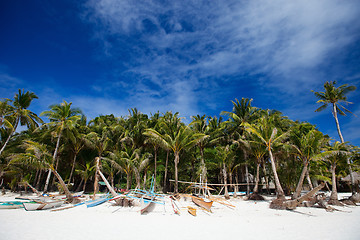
(32, 206)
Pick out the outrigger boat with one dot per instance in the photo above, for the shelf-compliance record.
(97, 202)
(148, 205)
(32, 206)
(202, 202)
(148, 199)
(11, 205)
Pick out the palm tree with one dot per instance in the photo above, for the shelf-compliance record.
(62, 117)
(100, 142)
(4, 111)
(226, 157)
(121, 160)
(335, 155)
(86, 173)
(334, 96)
(307, 143)
(242, 113)
(199, 125)
(180, 140)
(21, 114)
(267, 135)
(37, 154)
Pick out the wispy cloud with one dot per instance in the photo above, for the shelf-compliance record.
(172, 43)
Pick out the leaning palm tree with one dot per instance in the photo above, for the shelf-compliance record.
(21, 114)
(180, 140)
(267, 135)
(62, 117)
(334, 96)
(37, 155)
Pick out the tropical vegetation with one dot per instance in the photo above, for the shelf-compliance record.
(248, 147)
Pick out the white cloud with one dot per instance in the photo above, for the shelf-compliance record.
(179, 54)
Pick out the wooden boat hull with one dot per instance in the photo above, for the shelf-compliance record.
(206, 204)
(148, 205)
(192, 211)
(32, 206)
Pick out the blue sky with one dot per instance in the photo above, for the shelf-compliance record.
(194, 57)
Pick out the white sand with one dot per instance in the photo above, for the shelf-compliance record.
(249, 220)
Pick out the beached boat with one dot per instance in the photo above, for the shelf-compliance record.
(192, 211)
(32, 206)
(202, 202)
(96, 202)
(147, 205)
(11, 205)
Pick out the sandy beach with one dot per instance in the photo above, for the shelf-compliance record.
(249, 220)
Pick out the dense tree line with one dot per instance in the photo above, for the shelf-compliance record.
(252, 146)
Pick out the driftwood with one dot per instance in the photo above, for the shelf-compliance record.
(292, 204)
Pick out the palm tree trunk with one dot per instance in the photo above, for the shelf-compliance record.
(176, 161)
(145, 177)
(266, 177)
(72, 168)
(96, 181)
(166, 170)
(155, 166)
(280, 191)
(137, 178)
(128, 181)
(236, 187)
(54, 158)
(203, 167)
(69, 197)
(301, 180)
(226, 194)
(309, 179)
(36, 177)
(10, 135)
(84, 187)
(37, 185)
(353, 190)
(247, 179)
(257, 179)
(334, 194)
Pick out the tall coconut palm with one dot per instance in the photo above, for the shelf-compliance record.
(266, 134)
(37, 154)
(21, 114)
(334, 96)
(180, 140)
(62, 117)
